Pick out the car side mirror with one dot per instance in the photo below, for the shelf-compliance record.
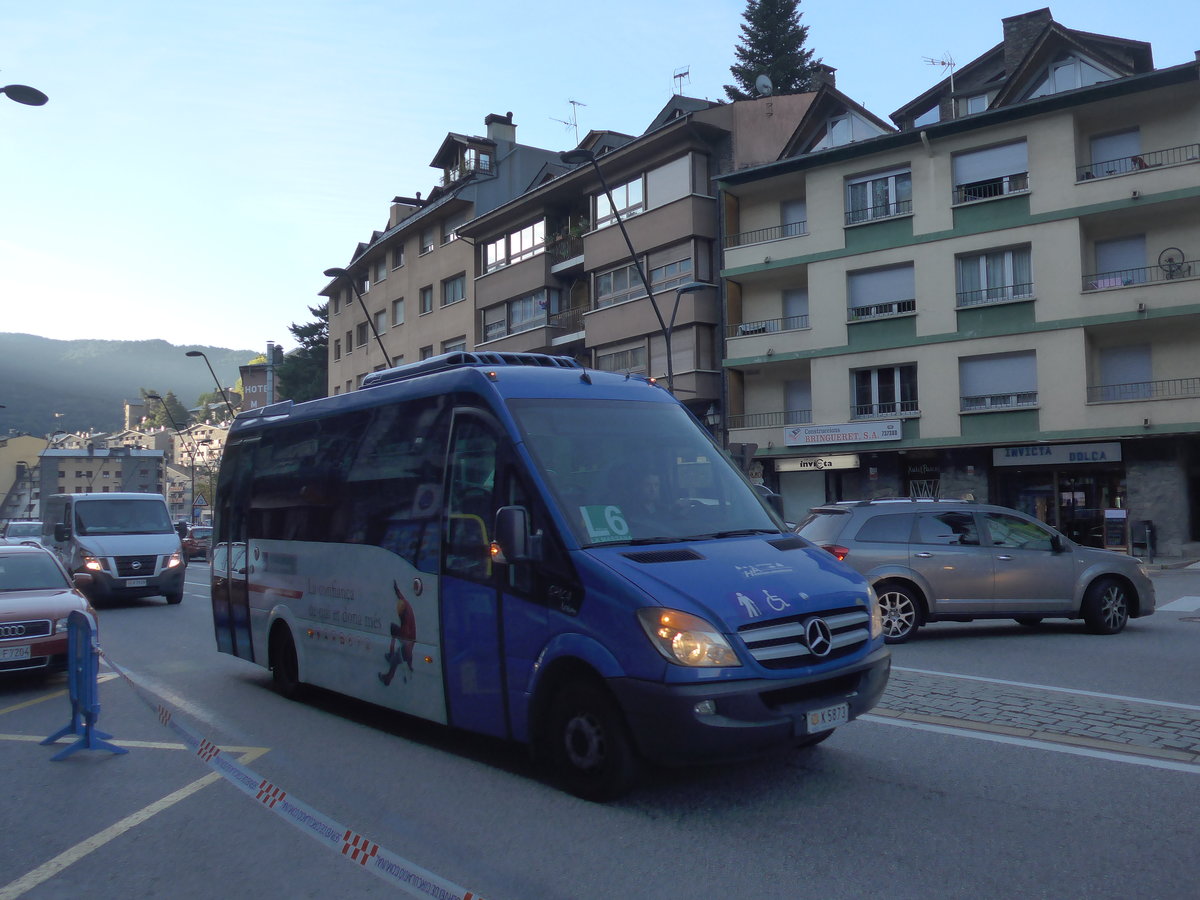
(1056, 544)
(82, 580)
(61, 532)
(513, 541)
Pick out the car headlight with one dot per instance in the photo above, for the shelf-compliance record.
(93, 564)
(174, 560)
(685, 639)
(876, 615)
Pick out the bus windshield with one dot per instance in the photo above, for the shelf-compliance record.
(638, 473)
(122, 517)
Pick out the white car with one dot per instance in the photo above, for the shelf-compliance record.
(23, 532)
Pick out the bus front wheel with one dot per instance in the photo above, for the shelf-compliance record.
(589, 744)
(285, 666)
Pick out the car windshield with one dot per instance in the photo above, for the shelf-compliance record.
(122, 517)
(23, 529)
(637, 472)
(31, 572)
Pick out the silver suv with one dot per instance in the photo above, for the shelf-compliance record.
(950, 560)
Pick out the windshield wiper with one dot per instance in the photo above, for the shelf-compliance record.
(739, 532)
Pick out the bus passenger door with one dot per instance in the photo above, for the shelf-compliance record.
(470, 601)
(230, 585)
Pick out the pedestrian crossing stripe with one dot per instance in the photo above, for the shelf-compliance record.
(1183, 604)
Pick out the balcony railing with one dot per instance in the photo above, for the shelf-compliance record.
(1017, 183)
(760, 235)
(873, 213)
(569, 320)
(1138, 162)
(767, 326)
(771, 419)
(885, 410)
(998, 401)
(465, 168)
(1144, 390)
(997, 294)
(1165, 271)
(882, 310)
(564, 248)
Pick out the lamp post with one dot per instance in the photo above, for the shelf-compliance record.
(228, 405)
(175, 425)
(23, 93)
(342, 273)
(582, 155)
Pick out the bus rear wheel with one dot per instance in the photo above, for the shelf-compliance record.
(589, 744)
(285, 666)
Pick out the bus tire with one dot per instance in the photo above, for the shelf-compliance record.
(285, 665)
(589, 744)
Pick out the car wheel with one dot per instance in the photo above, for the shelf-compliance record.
(174, 597)
(901, 612)
(285, 666)
(1028, 621)
(813, 739)
(589, 745)
(1106, 606)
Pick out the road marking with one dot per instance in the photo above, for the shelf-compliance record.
(1057, 690)
(1183, 604)
(1111, 756)
(53, 695)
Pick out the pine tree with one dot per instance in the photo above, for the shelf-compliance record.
(772, 44)
(302, 375)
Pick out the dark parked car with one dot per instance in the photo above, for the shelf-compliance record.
(950, 560)
(195, 543)
(36, 596)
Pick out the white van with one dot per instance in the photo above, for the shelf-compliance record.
(126, 542)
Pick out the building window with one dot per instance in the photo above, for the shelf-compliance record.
(337, 349)
(991, 172)
(997, 381)
(426, 239)
(361, 334)
(1120, 261)
(632, 359)
(427, 352)
(381, 321)
(450, 227)
(1114, 154)
(976, 104)
(349, 342)
(617, 286)
(381, 268)
(524, 243)
(398, 312)
(885, 391)
(671, 275)
(335, 302)
(879, 196)
(1069, 72)
(397, 256)
(880, 293)
(454, 289)
(425, 304)
(994, 276)
(793, 216)
(1125, 374)
(521, 314)
(455, 345)
(629, 202)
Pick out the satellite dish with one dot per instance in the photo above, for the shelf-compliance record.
(762, 84)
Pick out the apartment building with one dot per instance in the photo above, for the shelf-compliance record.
(997, 296)
(405, 294)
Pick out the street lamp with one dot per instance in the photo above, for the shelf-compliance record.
(581, 155)
(228, 405)
(23, 93)
(342, 273)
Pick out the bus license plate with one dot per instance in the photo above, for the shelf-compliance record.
(829, 717)
(136, 582)
(11, 653)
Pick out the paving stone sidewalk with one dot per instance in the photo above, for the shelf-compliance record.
(1163, 731)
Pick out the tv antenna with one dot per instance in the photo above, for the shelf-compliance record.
(574, 120)
(946, 62)
(682, 76)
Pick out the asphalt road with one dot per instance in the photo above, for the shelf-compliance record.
(1003, 761)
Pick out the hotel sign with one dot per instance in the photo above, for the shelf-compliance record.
(1056, 454)
(873, 430)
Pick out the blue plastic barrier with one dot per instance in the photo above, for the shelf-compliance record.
(83, 667)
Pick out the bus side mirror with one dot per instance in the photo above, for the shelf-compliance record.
(61, 532)
(513, 541)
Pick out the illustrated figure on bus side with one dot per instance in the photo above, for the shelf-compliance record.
(404, 635)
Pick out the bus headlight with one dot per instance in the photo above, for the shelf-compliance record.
(876, 615)
(686, 640)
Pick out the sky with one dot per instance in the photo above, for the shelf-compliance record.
(201, 162)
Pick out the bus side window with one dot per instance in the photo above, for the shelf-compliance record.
(471, 501)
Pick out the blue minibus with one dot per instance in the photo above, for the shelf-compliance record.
(519, 546)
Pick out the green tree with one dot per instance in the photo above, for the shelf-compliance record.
(167, 413)
(303, 374)
(772, 44)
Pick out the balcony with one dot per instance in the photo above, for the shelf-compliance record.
(762, 235)
(991, 402)
(779, 419)
(767, 326)
(1139, 162)
(999, 294)
(888, 410)
(1001, 186)
(564, 248)
(1171, 268)
(882, 310)
(1144, 390)
(862, 215)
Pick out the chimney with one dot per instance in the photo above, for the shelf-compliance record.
(1019, 34)
(824, 74)
(501, 128)
(402, 208)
